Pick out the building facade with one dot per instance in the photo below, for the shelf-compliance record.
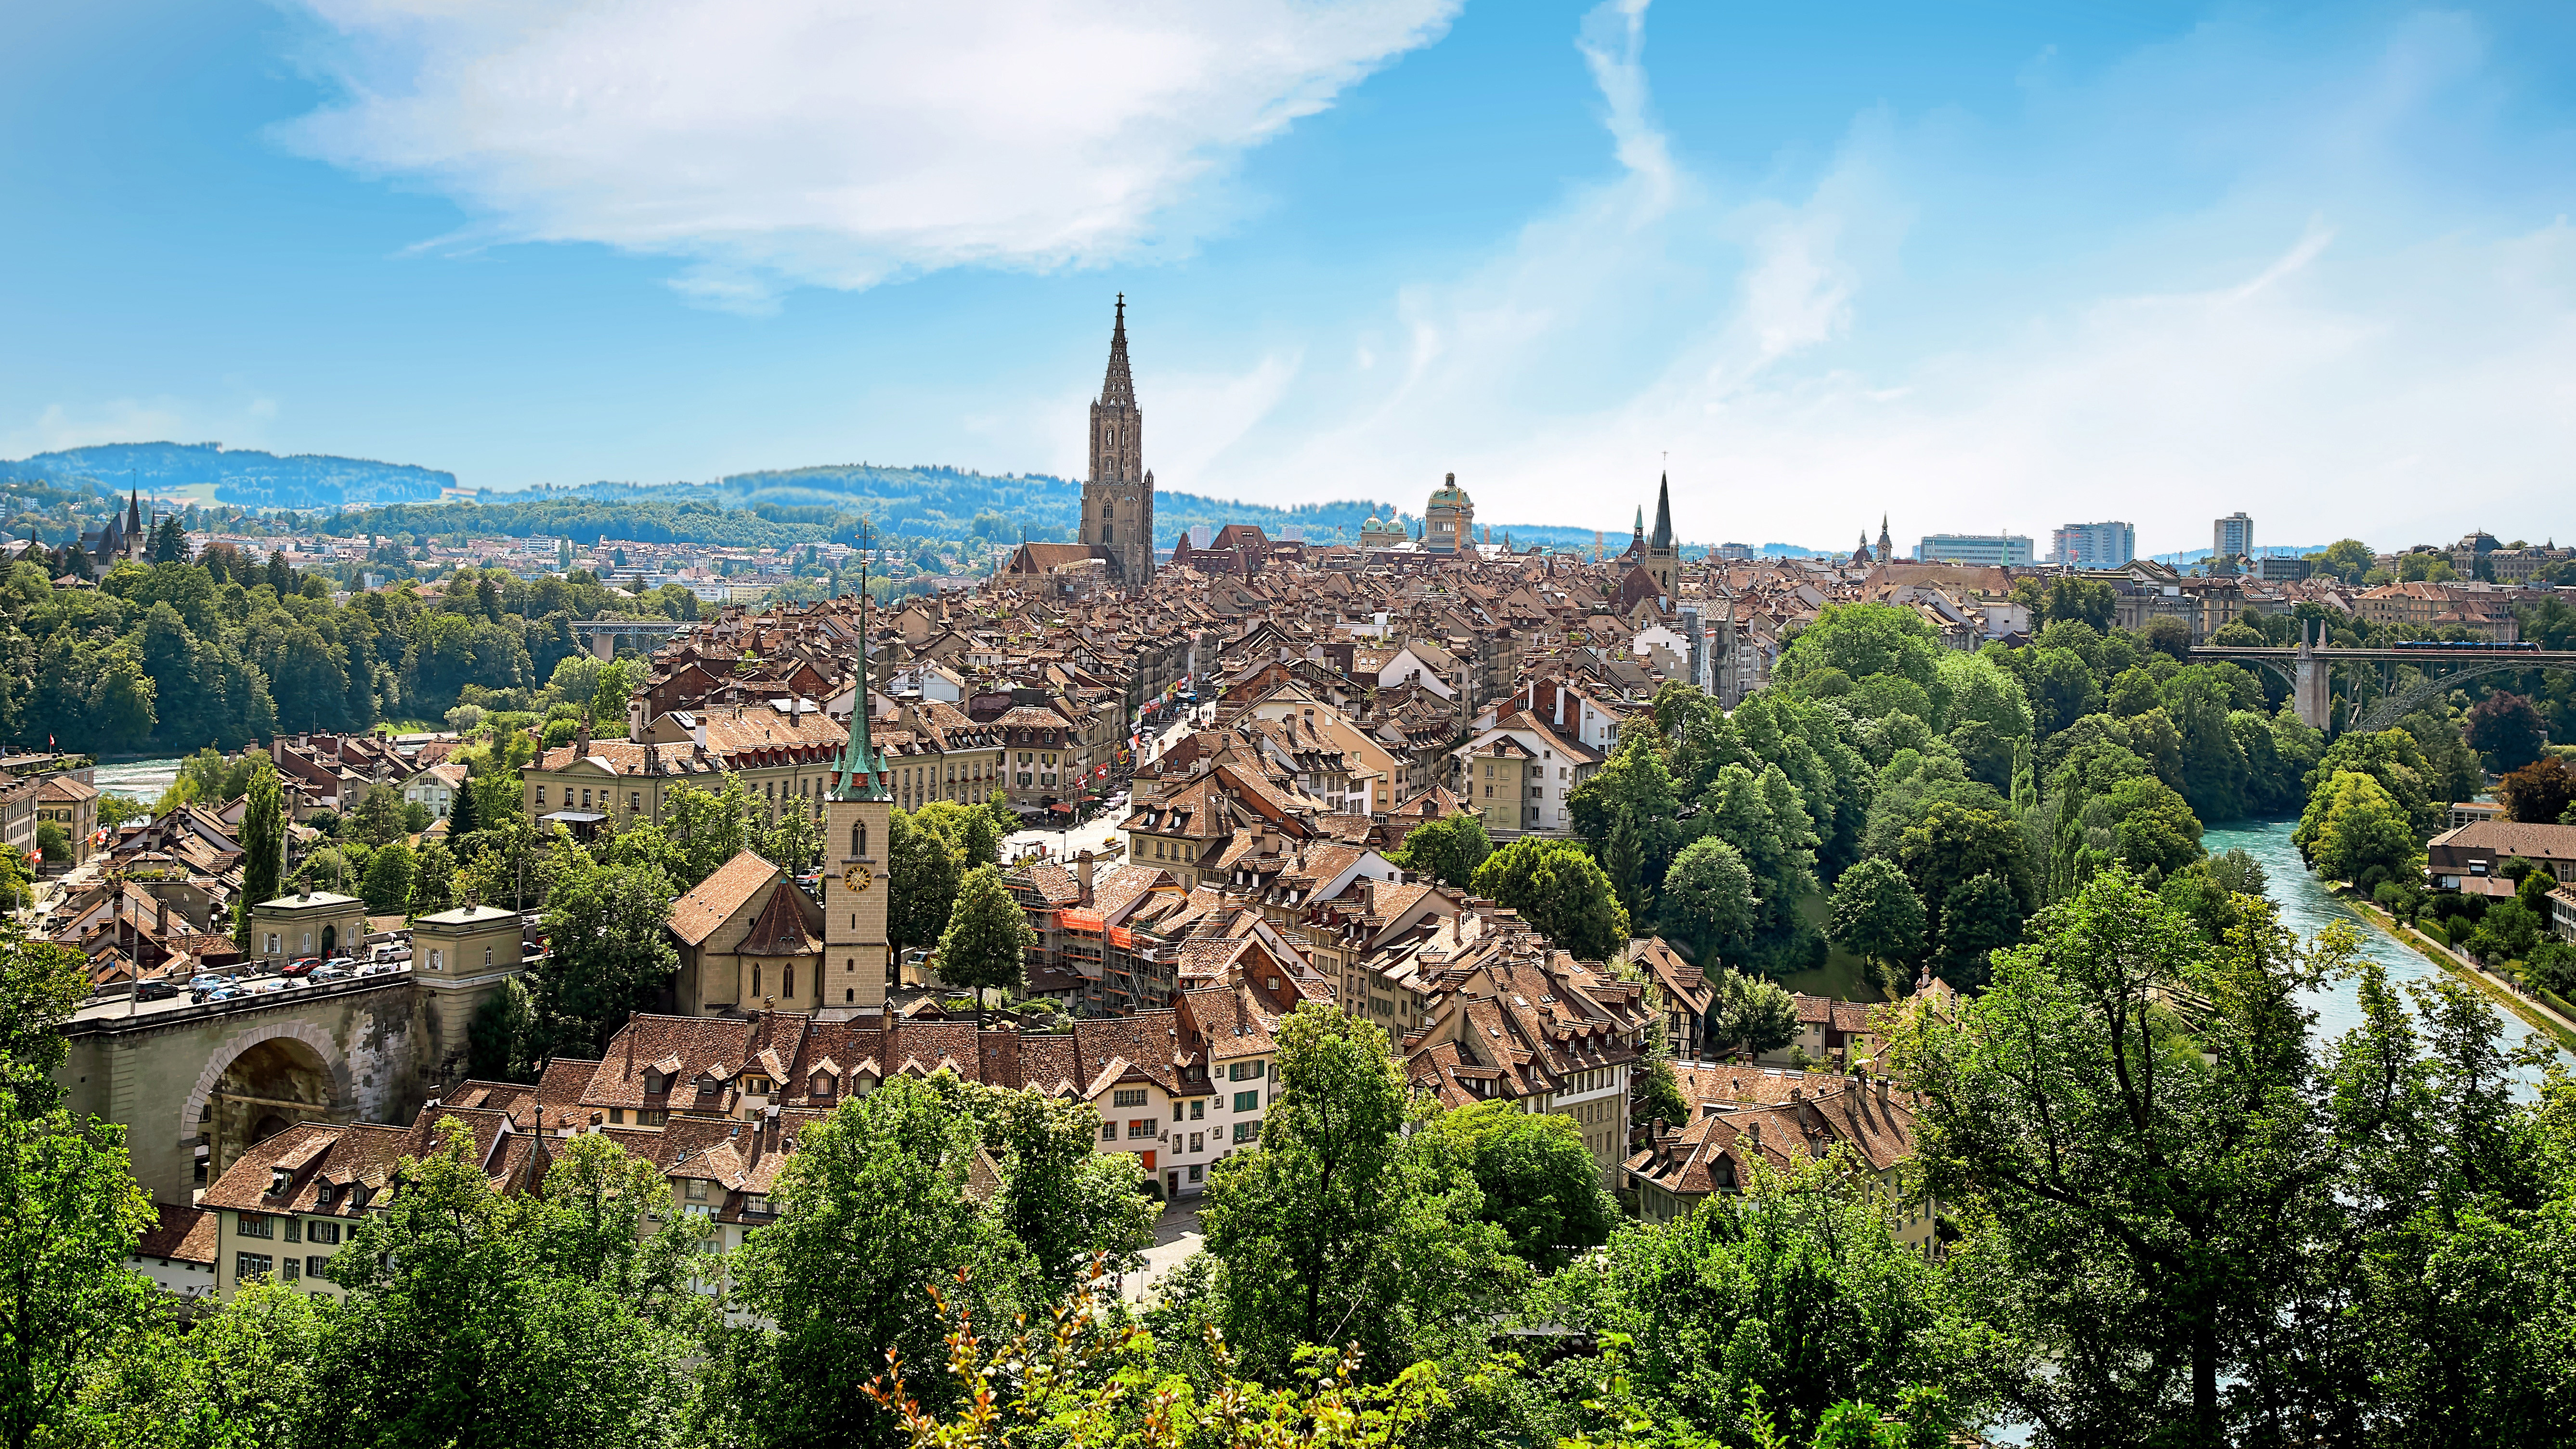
(2107, 545)
(1991, 549)
(1449, 520)
(2232, 536)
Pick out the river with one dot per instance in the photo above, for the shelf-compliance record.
(2306, 907)
(142, 780)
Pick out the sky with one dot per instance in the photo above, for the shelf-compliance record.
(1973, 267)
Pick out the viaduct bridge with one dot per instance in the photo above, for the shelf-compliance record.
(602, 634)
(2309, 671)
(196, 1084)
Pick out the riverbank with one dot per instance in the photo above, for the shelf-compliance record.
(2533, 1013)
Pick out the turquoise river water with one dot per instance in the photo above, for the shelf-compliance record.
(2306, 907)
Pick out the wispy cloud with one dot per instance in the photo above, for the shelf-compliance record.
(833, 143)
(2325, 327)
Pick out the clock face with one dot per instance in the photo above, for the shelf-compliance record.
(857, 876)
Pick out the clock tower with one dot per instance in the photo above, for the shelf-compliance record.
(857, 821)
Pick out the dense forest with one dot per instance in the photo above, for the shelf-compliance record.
(230, 649)
(244, 476)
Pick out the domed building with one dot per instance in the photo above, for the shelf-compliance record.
(1449, 520)
(1383, 533)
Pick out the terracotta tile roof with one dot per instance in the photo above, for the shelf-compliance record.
(696, 915)
(789, 925)
(180, 1235)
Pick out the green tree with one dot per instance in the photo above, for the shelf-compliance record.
(1070, 1206)
(1562, 892)
(616, 683)
(1752, 1014)
(41, 985)
(433, 879)
(1876, 914)
(263, 844)
(386, 885)
(2393, 759)
(2539, 793)
(1342, 1228)
(478, 1317)
(1708, 897)
(2346, 558)
(1955, 844)
(2149, 1174)
(609, 954)
(241, 1375)
(1447, 850)
(70, 1214)
(1863, 640)
(2352, 827)
(986, 945)
(1539, 1182)
(2087, 601)
(1979, 917)
(923, 879)
(1794, 1288)
(1626, 811)
(872, 1210)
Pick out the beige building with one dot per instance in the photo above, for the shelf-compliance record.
(749, 940)
(73, 806)
(311, 923)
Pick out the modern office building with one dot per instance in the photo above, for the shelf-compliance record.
(2094, 545)
(1975, 548)
(2232, 536)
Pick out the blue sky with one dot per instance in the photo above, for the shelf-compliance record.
(1974, 266)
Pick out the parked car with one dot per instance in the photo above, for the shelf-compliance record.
(343, 962)
(220, 993)
(154, 991)
(302, 966)
(329, 973)
(207, 981)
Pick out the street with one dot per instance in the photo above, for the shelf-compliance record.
(1176, 1240)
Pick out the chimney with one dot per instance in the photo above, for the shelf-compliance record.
(1083, 867)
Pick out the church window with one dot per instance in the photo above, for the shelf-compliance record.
(858, 837)
(787, 986)
(755, 978)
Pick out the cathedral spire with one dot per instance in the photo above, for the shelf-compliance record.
(1118, 389)
(1663, 538)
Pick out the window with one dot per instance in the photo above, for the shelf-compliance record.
(756, 1206)
(1176, 1111)
(294, 1230)
(487, 955)
(1247, 1131)
(323, 1196)
(825, 1084)
(1141, 1127)
(272, 943)
(291, 1273)
(1247, 1101)
(437, 959)
(253, 1225)
(1108, 1131)
(858, 837)
(247, 1266)
(321, 1232)
(1128, 1097)
(1197, 1172)
(1198, 1142)
(318, 1266)
(696, 1190)
(1244, 1071)
(1198, 1109)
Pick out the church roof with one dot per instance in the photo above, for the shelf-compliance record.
(1663, 536)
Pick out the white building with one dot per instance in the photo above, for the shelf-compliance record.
(2004, 549)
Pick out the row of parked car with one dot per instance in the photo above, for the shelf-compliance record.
(208, 986)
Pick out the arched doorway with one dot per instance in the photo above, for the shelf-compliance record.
(330, 942)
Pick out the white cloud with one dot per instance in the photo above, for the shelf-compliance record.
(838, 143)
(2323, 328)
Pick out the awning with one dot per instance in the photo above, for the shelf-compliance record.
(1062, 807)
(575, 817)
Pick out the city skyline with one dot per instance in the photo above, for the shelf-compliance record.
(1853, 266)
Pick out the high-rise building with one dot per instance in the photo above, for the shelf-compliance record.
(2232, 536)
(2094, 545)
(1118, 497)
(1974, 548)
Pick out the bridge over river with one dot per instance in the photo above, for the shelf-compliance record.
(2310, 671)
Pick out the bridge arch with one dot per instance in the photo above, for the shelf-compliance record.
(261, 1080)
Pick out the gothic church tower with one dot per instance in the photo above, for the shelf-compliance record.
(857, 822)
(1663, 552)
(1118, 497)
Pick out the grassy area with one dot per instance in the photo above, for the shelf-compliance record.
(1844, 976)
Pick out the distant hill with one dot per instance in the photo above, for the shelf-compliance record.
(245, 476)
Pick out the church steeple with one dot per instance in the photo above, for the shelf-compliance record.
(1118, 389)
(1663, 538)
(860, 764)
(1886, 550)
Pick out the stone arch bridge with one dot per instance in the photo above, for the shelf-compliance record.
(196, 1084)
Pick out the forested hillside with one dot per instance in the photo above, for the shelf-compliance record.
(240, 475)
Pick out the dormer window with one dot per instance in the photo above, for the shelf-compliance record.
(653, 1083)
(322, 1195)
(825, 1085)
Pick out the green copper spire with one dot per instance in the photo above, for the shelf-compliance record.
(860, 762)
